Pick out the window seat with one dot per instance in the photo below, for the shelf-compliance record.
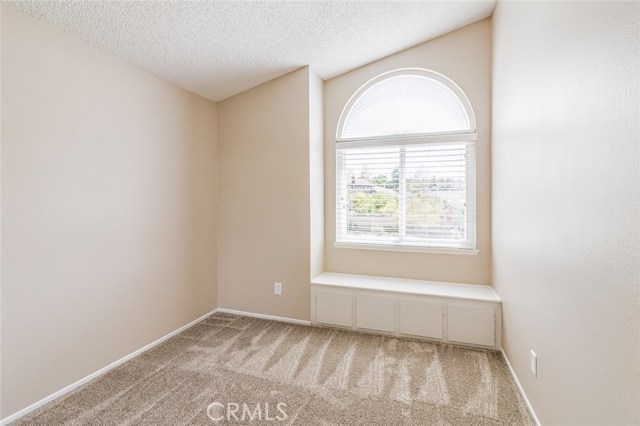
(449, 312)
(400, 285)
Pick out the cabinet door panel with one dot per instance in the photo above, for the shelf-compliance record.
(334, 308)
(471, 323)
(376, 312)
(420, 317)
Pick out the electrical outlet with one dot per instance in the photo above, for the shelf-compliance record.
(533, 364)
(277, 288)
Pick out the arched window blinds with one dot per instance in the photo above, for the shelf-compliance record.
(405, 104)
(405, 164)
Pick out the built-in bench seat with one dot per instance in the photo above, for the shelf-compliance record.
(448, 312)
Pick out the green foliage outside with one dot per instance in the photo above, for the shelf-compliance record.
(374, 204)
(424, 208)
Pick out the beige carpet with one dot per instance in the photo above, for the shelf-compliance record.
(324, 376)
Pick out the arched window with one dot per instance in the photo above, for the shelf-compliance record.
(405, 164)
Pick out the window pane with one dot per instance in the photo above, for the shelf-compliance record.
(436, 192)
(405, 104)
(413, 195)
(370, 192)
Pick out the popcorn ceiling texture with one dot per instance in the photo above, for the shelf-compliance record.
(220, 48)
(325, 377)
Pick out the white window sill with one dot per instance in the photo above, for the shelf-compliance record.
(409, 249)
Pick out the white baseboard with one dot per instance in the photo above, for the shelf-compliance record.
(264, 316)
(38, 404)
(515, 379)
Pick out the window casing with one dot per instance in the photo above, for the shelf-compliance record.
(405, 164)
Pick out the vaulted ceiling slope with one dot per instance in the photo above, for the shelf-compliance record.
(220, 48)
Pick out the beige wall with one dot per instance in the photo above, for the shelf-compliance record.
(465, 57)
(566, 209)
(316, 173)
(264, 205)
(108, 209)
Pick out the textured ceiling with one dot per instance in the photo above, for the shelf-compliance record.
(220, 48)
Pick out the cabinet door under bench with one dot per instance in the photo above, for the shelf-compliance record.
(471, 322)
(334, 307)
(420, 316)
(376, 312)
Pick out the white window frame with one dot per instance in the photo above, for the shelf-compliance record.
(468, 136)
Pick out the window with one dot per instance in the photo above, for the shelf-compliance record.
(405, 164)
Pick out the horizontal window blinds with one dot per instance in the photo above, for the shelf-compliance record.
(415, 195)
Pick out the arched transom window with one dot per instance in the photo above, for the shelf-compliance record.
(405, 164)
